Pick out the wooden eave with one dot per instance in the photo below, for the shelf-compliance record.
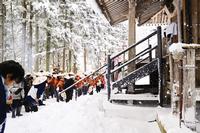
(116, 11)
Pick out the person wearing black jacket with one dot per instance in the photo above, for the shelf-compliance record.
(69, 93)
(10, 72)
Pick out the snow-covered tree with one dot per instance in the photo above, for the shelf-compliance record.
(59, 30)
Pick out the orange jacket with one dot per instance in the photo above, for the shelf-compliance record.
(60, 84)
(79, 84)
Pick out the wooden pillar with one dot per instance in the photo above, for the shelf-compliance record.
(189, 94)
(131, 33)
(194, 13)
(171, 66)
(160, 66)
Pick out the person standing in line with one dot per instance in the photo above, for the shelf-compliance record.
(17, 92)
(10, 72)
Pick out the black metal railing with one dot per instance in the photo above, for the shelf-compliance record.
(111, 69)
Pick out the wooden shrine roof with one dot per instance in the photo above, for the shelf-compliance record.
(116, 11)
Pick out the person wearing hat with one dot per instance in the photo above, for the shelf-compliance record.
(40, 84)
(60, 87)
(69, 81)
(28, 82)
(10, 72)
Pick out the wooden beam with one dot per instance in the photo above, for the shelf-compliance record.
(117, 11)
(118, 21)
(107, 12)
(117, 4)
(144, 6)
(143, 19)
(194, 13)
(131, 33)
(189, 88)
(119, 14)
(153, 9)
(198, 22)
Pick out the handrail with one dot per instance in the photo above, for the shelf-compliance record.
(111, 70)
(134, 45)
(81, 79)
(143, 60)
(130, 61)
(135, 55)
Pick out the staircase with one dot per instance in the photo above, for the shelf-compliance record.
(145, 64)
(137, 74)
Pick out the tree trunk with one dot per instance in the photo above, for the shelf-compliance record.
(85, 58)
(1, 31)
(24, 34)
(30, 59)
(64, 54)
(48, 46)
(37, 46)
(70, 61)
(12, 30)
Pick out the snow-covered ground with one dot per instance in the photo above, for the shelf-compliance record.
(89, 114)
(171, 123)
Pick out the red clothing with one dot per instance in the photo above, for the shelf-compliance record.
(60, 84)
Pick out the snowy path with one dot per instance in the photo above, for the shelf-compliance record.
(90, 114)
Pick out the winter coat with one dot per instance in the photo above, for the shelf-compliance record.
(79, 84)
(3, 106)
(32, 92)
(41, 88)
(27, 84)
(17, 92)
(68, 83)
(51, 81)
(60, 84)
(55, 82)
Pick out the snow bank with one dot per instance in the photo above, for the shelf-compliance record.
(171, 123)
(87, 115)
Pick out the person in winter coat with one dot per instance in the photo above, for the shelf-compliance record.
(69, 93)
(40, 84)
(10, 72)
(28, 81)
(60, 87)
(30, 101)
(78, 86)
(17, 93)
(98, 85)
(56, 80)
(50, 86)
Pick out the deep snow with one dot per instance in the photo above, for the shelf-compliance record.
(89, 114)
